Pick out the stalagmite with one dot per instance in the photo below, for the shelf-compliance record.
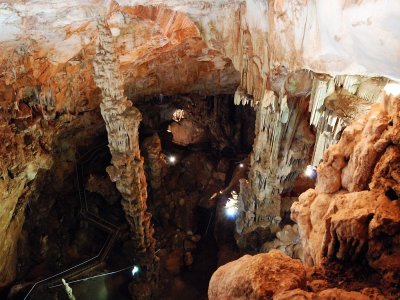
(303, 73)
(155, 160)
(122, 123)
(280, 152)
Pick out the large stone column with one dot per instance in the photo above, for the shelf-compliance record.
(122, 123)
(280, 152)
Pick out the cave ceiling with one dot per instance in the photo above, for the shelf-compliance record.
(172, 47)
(303, 64)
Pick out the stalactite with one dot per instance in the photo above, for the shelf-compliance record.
(336, 102)
(348, 82)
(242, 98)
(279, 154)
(122, 123)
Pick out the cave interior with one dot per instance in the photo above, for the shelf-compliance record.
(200, 149)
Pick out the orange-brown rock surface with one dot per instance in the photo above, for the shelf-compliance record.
(354, 211)
(257, 277)
(278, 277)
(328, 294)
(55, 70)
(28, 149)
(47, 82)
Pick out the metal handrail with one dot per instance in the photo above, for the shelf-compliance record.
(86, 214)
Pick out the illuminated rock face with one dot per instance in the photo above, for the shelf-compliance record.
(17, 191)
(160, 51)
(273, 276)
(353, 212)
(28, 149)
(284, 144)
(281, 151)
(172, 47)
(209, 47)
(257, 277)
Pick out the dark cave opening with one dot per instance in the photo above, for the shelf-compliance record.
(78, 213)
(187, 205)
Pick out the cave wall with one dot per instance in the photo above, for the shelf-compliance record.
(46, 70)
(353, 213)
(29, 147)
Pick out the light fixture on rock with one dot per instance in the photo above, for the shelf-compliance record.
(232, 205)
(311, 172)
(135, 270)
(172, 159)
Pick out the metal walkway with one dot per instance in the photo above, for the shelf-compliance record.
(113, 231)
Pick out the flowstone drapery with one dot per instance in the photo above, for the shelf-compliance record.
(280, 152)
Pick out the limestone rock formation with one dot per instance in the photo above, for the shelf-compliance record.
(278, 277)
(354, 213)
(257, 277)
(156, 161)
(281, 151)
(335, 102)
(18, 189)
(291, 60)
(328, 294)
(104, 187)
(187, 132)
(287, 241)
(127, 170)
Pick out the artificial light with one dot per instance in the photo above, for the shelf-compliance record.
(178, 115)
(135, 270)
(232, 205)
(311, 172)
(231, 211)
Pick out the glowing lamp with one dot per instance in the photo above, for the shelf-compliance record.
(392, 89)
(241, 165)
(172, 159)
(135, 270)
(311, 172)
(232, 205)
(231, 211)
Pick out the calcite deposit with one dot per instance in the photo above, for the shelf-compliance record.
(127, 170)
(314, 73)
(353, 213)
(280, 128)
(257, 277)
(156, 161)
